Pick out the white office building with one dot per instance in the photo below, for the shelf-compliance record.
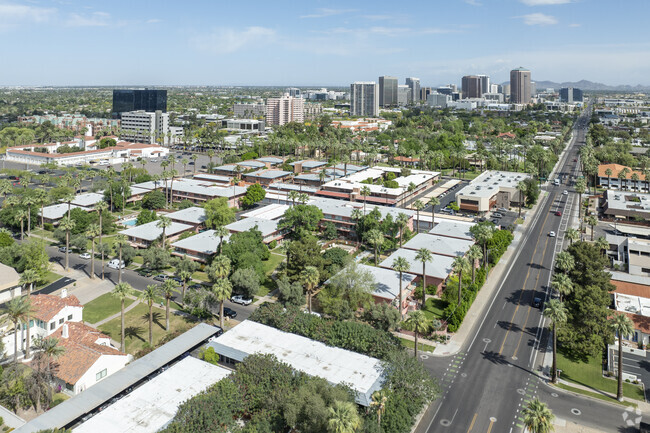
(364, 98)
(145, 127)
(285, 109)
(414, 87)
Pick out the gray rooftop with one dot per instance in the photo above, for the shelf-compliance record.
(490, 182)
(252, 164)
(150, 185)
(205, 243)
(151, 232)
(88, 199)
(344, 208)
(628, 201)
(58, 211)
(279, 186)
(309, 163)
(352, 168)
(387, 281)
(226, 167)
(212, 177)
(438, 267)
(194, 187)
(271, 159)
(442, 245)
(312, 177)
(190, 215)
(269, 174)
(267, 227)
(66, 413)
(452, 228)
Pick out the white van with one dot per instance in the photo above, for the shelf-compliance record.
(116, 264)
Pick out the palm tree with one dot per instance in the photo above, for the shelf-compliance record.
(5, 187)
(622, 176)
(521, 187)
(365, 192)
(602, 244)
(210, 156)
(379, 399)
(375, 238)
(120, 242)
(459, 265)
(538, 418)
(21, 215)
(473, 254)
(194, 157)
(622, 327)
(401, 221)
(167, 289)
(418, 206)
(483, 234)
(68, 198)
(424, 256)
(68, 225)
(220, 268)
(149, 295)
(592, 221)
(556, 312)
(401, 265)
(292, 195)
(310, 278)
(100, 207)
(418, 323)
(185, 161)
(303, 198)
(563, 284)
(17, 309)
(122, 291)
(222, 290)
(42, 198)
(29, 276)
(92, 232)
(221, 232)
(343, 418)
(185, 276)
(163, 223)
(580, 187)
(608, 173)
(573, 235)
(564, 262)
(28, 201)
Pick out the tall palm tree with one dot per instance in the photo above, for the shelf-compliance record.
(580, 187)
(163, 223)
(418, 206)
(220, 268)
(222, 290)
(167, 290)
(573, 235)
(401, 265)
(149, 295)
(602, 244)
(194, 157)
(424, 256)
(292, 195)
(473, 254)
(100, 207)
(185, 161)
(210, 156)
(375, 238)
(172, 174)
(365, 192)
(563, 284)
(310, 278)
(592, 221)
(521, 187)
(379, 399)
(120, 242)
(538, 418)
(556, 312)
(564, 262)
(68, 225)
(5, 187)
(458, 266)
(42, 198)
(29, 277)
(401, 221)
(418, 323)
(28, 201)
(21, 215)
(608, 173)
(16, 310)
(483, 234)
(92, 232)
(622, 327)
(185, 276)
(221, 232)
(68, 198)
(122, 291)
(343, 418)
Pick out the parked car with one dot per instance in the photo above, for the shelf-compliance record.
(161, 277)
(239, 299)
(62, 249)
(229, 312)
(145, 272)
(502, 209)
(116, 264)
(551, 234)
(84, 255)
(565, 192)
(497, 215)
(558, 213)
(177, 279)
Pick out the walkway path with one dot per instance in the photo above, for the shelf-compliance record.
(116, 315)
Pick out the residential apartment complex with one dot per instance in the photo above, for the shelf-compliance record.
(285, 109)
(364, 99)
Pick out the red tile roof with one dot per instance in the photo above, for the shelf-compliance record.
(48, 306)
(616, 169)
(507, 135)
(631, 289)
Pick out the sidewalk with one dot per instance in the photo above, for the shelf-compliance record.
(496, 277)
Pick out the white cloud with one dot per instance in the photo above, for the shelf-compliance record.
(327, 12)
(153, 21)
(228, 40)
(539, 19)
(545, 2)
(95, 19)
(13, 15)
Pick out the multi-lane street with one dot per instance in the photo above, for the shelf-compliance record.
(486, 385)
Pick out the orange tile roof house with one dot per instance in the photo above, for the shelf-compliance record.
(613, 182)
(89, 357)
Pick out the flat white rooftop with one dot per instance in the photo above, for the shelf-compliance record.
(152, 406)
(58, 211)
(338, 366)
(271, 212)
(490, 182)
(452, 228)
(437, 244)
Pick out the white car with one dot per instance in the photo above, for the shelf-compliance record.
(239, 299)
(551, 234)
(84, 255)
(115, 264)
(565, 192)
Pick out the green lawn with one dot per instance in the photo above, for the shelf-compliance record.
(272, 263)
(102, 307)
(50, 277)
(594, 395)
(434, 308)
(590, 374)
(138, 260)
(137, 327)
(421, 346)
(59, 398)
(200, 276)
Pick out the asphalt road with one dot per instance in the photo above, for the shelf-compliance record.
(486, 385)
(137, 281)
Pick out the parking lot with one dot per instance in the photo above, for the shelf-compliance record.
(635, 363)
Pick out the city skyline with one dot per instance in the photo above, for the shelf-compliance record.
(74, 43)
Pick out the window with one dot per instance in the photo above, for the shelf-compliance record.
(52, 325)
(61, 320)
(70, 317)
(69, 387)
(102, 374)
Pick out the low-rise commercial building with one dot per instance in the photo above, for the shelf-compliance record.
(624, 205)
(453, 228)
(491, 190)
(630, 180)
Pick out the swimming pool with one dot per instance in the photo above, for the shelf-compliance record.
(130, 222)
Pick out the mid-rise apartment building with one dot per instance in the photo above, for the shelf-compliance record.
(249, 110)
(285, 109)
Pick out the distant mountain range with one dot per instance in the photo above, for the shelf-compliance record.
(590, 85)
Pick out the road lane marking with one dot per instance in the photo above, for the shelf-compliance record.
(471, 426)
(491, 424)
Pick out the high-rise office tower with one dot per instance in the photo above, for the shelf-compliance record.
(424, 92)
(520, 86)
(403, 95)
(471, 86)
(485, 84)
(387, 91)
(570, 94)
(364, 98)
(285, 109)
(414, 86)
(138, 99)
(293, 91)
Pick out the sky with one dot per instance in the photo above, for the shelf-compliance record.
(320, 43)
